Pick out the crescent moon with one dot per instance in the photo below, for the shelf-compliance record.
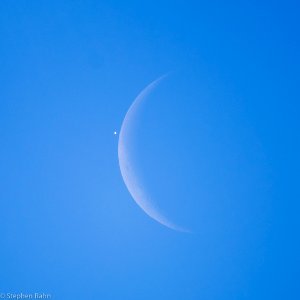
(126, 161)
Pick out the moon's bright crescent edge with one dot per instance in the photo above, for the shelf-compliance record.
(130, 178)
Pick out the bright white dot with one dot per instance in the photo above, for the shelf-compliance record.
(115, 133)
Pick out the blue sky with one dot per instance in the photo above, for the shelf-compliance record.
(217, 146)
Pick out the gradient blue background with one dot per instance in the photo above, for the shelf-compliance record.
(69, 71)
